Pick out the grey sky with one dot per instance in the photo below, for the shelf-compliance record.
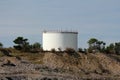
(28, 18)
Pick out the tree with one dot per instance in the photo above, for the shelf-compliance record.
(110, 48)
(96, 45)
(113, 48)
(21, 44)
(101, 46)
(1, 45)
(36, 46)
(81, 50)
(92, 44)
(117, 48)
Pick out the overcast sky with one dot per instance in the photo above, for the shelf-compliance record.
(28, 18)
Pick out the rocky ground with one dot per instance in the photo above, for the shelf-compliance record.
(61, 67)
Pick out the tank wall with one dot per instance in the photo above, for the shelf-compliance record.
(59, 40)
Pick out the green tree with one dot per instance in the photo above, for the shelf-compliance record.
(92, 44)
(101, 46)
(110, 48)
(36, 45)
(21, 44)
(117, 48)
(96, 45)
(1, 45)
(113, 48)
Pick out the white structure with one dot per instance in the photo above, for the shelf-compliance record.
(62, 40)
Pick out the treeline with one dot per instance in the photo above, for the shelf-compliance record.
(95, 45)
(23, 45)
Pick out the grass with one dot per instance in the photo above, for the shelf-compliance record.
(35, 58)
(116, 57)
(32, 57)
(1, 54)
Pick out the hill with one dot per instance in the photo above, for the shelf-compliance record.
(59, 66)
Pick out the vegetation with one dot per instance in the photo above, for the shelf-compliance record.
(69, 50)
(113, 48)
(117, 48)
(53, 50)
(82, 50)
(59, 49)
(96, 45)
(69, 62)
(21, 44)
(1, 45)
(36, 45)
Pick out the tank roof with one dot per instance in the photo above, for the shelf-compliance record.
(60, 32)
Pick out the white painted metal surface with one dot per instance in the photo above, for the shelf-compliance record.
(62, 40)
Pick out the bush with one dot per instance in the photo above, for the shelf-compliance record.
(80, 50)
(1, 45)
(6, 52)
(59, 49)
(89, 50)
(22, 44)
(53, 50)
(69, 50)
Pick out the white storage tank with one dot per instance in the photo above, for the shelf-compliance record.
(59, 39)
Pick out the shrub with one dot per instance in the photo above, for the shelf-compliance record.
(80, 50)
(69, 50)
(96, 45)
(22, 44)
(53, 50)
(1, 45)
(59, 49)
(6, 52)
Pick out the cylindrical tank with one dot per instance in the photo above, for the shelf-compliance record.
(59, 40)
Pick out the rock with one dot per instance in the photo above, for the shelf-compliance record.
(8, 64)
(16, 78)
(6, 52)
(98, 71)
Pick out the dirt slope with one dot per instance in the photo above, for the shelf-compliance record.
(62, 66)
(91, 63)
